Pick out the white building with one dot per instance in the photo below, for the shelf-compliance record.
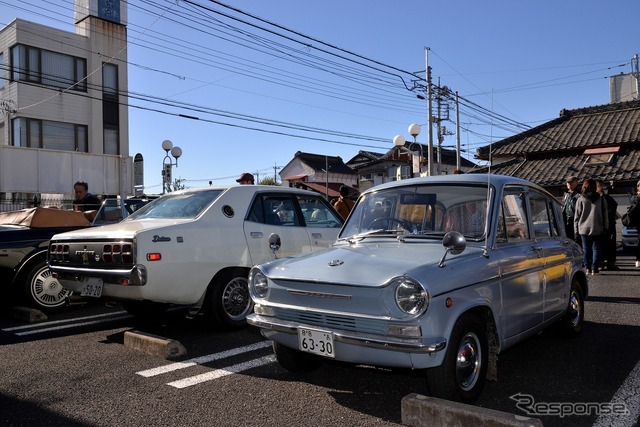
(63, 98)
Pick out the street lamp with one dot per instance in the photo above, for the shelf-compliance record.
(167, 163)
(399, 141)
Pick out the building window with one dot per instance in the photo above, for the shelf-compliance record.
(600, 156)
(110, 141)
(2, 68)
(49, 68)
(34, 133)
(110, 109)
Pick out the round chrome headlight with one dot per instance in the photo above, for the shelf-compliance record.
(259, 283)
(411, 296)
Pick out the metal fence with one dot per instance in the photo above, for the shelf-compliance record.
(18, 203)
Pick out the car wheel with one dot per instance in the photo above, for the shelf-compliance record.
(147, 311)
(229, 302)
(462, 375)
(295, 361)
(572, 321)
(42, 290)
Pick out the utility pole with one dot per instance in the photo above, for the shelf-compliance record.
(636, 73)
(458, 164)
(439, 129)
(429, 118)
(275, 168)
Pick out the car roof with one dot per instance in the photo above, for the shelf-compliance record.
(250, 189)
(492, 179)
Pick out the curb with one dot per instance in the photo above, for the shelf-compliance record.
(422, 411)
(153, 345)
(26, 314)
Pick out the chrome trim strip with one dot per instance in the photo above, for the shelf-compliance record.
(318, 294)
(414, 346)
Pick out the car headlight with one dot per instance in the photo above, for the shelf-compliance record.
(411, 297)
(259, 282)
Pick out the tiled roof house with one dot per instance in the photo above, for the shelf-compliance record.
(600, 142)
(308, 171)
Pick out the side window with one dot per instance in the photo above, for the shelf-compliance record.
(256, 214)
(545, 223)
(512, 225)
(277, 210)
(317, 213)
(540, 216)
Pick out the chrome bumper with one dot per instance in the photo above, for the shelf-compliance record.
(407, 345)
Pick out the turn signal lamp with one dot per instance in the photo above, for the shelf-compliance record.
(154, 256)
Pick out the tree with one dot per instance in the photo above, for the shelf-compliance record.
(268, 181)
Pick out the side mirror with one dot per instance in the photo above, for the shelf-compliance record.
(454, 243)
(274, 243)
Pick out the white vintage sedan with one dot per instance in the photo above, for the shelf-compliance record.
(439, 273)
(193, 247)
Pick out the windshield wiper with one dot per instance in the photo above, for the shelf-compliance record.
(366, 234)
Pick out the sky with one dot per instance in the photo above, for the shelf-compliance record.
(241, 86)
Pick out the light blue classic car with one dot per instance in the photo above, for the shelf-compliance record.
(439, 273)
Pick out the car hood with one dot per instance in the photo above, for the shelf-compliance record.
(122, 229)
(366, 264)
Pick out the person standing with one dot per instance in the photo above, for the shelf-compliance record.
(590, 222)
(84, 200)
(634, 216)
(569, 206)
(344, 204)
(246, 179)
(609, 238)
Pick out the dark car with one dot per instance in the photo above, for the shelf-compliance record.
(24, 240)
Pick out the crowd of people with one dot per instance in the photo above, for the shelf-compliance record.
(590, 216)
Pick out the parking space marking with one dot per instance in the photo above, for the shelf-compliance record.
(57, 325)
(202, 359)
(73, 325)
(219, 373)
(57, 322)
(629, 394)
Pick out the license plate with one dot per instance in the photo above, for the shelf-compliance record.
(91, 287)
(316, 341)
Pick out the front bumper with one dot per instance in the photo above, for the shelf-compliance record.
(416, 353)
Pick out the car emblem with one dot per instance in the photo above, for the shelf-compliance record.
(335, 263)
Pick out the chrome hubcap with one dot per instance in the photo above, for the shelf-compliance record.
(47, 290)
(468, 361)
(575, 309)
(235, 298)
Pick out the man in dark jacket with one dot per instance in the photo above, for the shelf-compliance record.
(569, 207)
(609, 238)
(84, 201)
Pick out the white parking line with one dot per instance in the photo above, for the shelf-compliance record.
(203, 359)
(73, 325)
(57, 322)
(629, 394)
(218, 373)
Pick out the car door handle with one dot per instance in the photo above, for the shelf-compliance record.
(316, 235)
(256, 234)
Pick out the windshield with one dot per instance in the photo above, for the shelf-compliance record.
(421, 210)
(177, 205)
(111, 212)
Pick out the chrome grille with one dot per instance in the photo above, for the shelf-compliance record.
(333, 321)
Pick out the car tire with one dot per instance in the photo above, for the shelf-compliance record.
(571, 323)
(42, 291)
(146, 311)
(462, 375)
(295, 361)
(229, 303)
